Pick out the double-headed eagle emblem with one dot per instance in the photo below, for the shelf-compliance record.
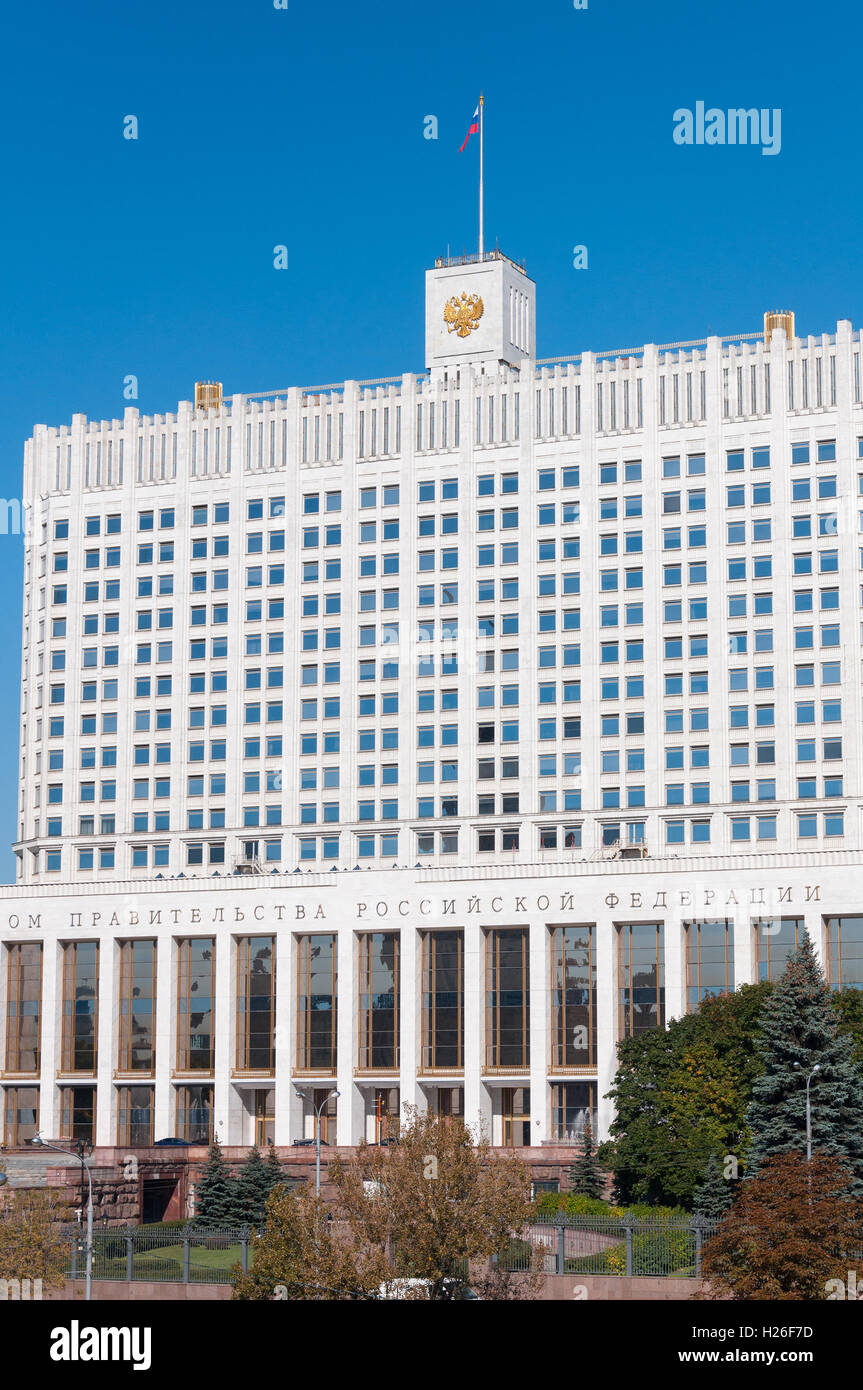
(462, 315)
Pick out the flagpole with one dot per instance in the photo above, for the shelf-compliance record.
(481, 240)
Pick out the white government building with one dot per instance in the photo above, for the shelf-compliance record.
(417, 739)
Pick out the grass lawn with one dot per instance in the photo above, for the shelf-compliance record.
(165, 1264)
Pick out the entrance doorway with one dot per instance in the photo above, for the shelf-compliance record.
(158, 1200)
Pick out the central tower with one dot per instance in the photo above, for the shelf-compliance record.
(480, 310)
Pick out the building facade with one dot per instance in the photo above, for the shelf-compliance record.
(556, 615)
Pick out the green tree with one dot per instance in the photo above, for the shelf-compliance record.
(799, 1030)
(275, 1171)
(253, 1187)
(848, 1006)
(714, 1195)
(585, 1176)
(791, 1230)
(680, 1094)
(216, 1194)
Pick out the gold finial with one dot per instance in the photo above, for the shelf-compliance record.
(779, 321)
(208, 395)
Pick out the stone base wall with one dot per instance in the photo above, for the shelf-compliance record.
(553, 1287)
(119, 1177)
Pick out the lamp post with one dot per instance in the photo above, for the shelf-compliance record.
(816, 1068)
(79, 1153)
(318, 1109)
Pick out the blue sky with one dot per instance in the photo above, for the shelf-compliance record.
(304, 127)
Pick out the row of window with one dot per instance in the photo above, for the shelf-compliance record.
(807, 825)
(572, 1027)
(446, 490)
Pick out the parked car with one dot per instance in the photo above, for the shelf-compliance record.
(418, 1289)
(173, 1143)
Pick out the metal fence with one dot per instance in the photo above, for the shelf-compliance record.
(154, 1254)
(612, 1245)
(553, 1243)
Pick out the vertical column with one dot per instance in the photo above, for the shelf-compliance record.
(50, 1023)
(674, 938)
(285, 1032)
(165, 1023)
(540, 1097)
(606, 1018)
(477, 1101)
(409, 1003)
(350, 1117)
(744, 954)
(108, 1016)
(226, 1025)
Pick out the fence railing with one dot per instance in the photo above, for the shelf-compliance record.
(560, 1244)
(552, 1242)
(152, 1254)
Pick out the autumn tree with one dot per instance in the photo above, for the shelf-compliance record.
(33, 1242)
(427, 1207)
(435, 1201)
(792, 1227)
(302, 1254)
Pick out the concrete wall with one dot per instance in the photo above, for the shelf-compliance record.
(554, 1287)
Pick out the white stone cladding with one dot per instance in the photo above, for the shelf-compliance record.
(744, 890)
(485, 410)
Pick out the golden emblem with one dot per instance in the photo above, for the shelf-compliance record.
(462, 315)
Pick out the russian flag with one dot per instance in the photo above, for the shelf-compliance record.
(472, 130)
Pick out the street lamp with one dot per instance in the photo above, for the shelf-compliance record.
(318, 1109)
(41, 1143)
(816, 1068)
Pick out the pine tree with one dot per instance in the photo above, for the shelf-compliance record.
(799, 1025)
(714, 1194)
(252, 1189)
(215, 1195)
(275, 1173)
(585, 1175)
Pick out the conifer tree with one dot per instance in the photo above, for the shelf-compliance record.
(216, 1196)
(252, 1189)
(715, 1193)
(585, 1175)
(275, 1173)
(799, 1026)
